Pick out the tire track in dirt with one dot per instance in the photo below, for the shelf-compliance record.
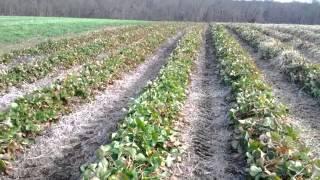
(63, 148)
(207, 132)
(303, 109)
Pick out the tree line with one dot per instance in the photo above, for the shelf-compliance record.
(177, 10)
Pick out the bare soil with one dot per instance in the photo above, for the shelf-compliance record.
(62, 149)
(303, 109)
(207, 131)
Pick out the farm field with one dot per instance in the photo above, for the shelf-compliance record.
(160, 100)
(31, 30)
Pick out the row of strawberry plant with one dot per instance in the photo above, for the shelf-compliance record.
(25, 116)
(312, 28)
(70, 57)
(303, 33)
(52, 46)
(272, 146)
(143, 143)
(291, 62)
(285, 37)
(311, 49)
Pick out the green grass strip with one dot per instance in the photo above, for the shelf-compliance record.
(272, 146)
(17, 29)
(141, 145)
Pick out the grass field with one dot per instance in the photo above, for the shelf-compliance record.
(18, 29)
(160, 101)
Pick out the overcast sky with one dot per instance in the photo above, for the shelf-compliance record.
(295, 0)
(308, 1)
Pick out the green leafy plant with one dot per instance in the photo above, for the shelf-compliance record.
(67, 57)
(272, 146)
(144, 143)
(23, 119)
(52, 46)
(298, 68)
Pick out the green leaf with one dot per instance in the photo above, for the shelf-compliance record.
(3, 166)
(140, 157)
(14, 105)
(255, 171)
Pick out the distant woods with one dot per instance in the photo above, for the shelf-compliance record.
(188, 10)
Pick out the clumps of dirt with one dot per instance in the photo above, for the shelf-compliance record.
(62, 149)
(206, 130)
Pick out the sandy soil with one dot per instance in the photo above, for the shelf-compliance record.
(207, 131)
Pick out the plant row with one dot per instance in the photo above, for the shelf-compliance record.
(313, 28)
(144, 143)
(272, 146)
(311, 49)
(26, 115)
(291, 62)
(285, 37)
(71, 57)
(52, 46)
(303, 33)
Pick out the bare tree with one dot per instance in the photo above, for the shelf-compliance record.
(183, 10)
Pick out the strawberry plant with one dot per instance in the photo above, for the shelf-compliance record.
(272, 145)
(305, 33)
(291, 62)
(26, 114)
(143, 145)
(69, 57)
(309, 48)
(52, 46)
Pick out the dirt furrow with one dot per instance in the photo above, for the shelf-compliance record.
(207, 132)
(62, 149)
(303, 109)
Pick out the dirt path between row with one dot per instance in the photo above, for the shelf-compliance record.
(207, 132)
(303, 109)
(62, 149)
